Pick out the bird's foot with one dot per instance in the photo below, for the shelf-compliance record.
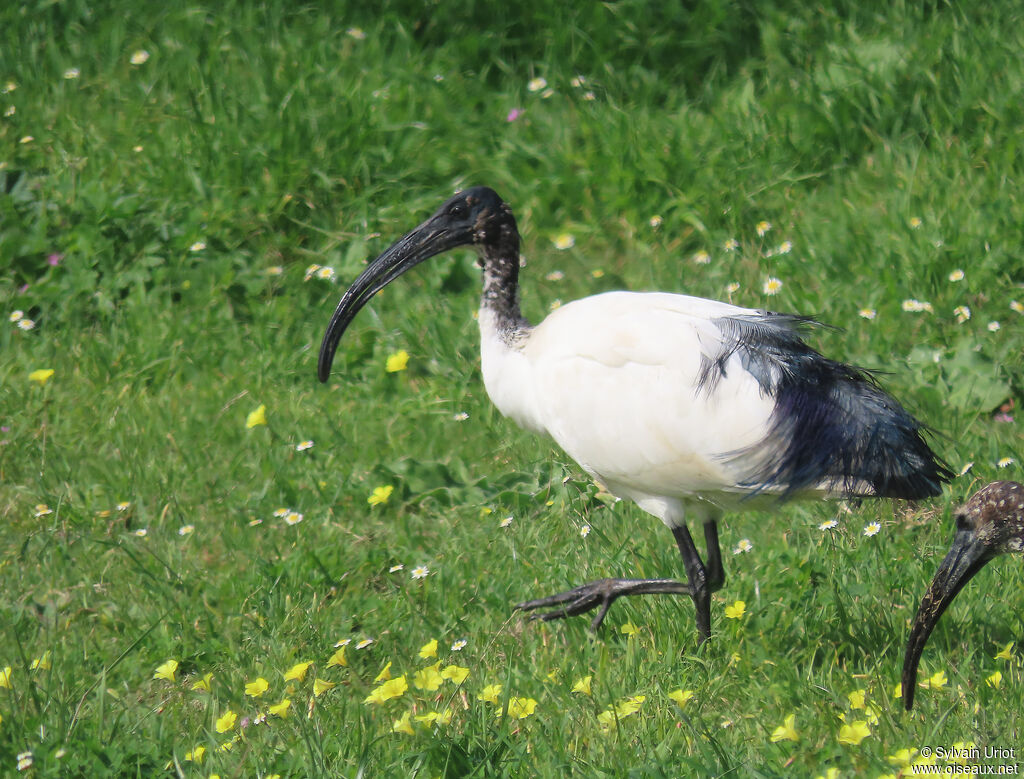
(600, 593)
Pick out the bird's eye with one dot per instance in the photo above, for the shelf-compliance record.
(457, 211)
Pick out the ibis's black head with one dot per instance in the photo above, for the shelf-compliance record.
(474, 216)
(989, 524)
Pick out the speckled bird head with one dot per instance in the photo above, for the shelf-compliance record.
(991, 523)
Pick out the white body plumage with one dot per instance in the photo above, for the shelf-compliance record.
(614, 379)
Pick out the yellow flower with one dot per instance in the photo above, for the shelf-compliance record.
(397, 361)
(428, 678)
(961, 751)
(630, 706)
(1006, 653)
(872, 713)
(902, 757)
(935, 682)
(43, 663)
(320, 686)
(338, 658)
(681, 697)
(380, 495)
(166, 670)
(435, 717)
(832, 773)
(606, 719)
(256, 688)
(139, 57)
(385, 673)
(915, 222)
(297, 672)
(41, 376)
(393, 688)
(625, 708)
(402, 725)
(854, 732)
(994, 680)
(226, 721)
(736, 610)
(786, 731)
(257, 417)
(455, 673)
(856, 699)
(429, 649)
(520, 708)
(763, 228)
(582, 685)
(772, 286)
(204, 683)
(196, 755)
(5, 678)
(629, 629)
(489, 694)
(280, 709)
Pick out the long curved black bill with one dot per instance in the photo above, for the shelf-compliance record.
(966, 557)
(431, 238)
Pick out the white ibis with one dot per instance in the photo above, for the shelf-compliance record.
(687, 406)
(991, 523)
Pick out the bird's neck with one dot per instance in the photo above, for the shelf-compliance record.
(500, 298)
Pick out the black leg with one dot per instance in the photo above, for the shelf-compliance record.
(715, 571)
(696, 575)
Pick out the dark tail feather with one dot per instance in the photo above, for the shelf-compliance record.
(833, 424)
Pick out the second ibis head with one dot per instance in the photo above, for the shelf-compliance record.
(991, 523)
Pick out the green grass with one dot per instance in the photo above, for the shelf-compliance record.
(278, 139)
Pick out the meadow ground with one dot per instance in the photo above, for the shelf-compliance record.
(178, 586)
